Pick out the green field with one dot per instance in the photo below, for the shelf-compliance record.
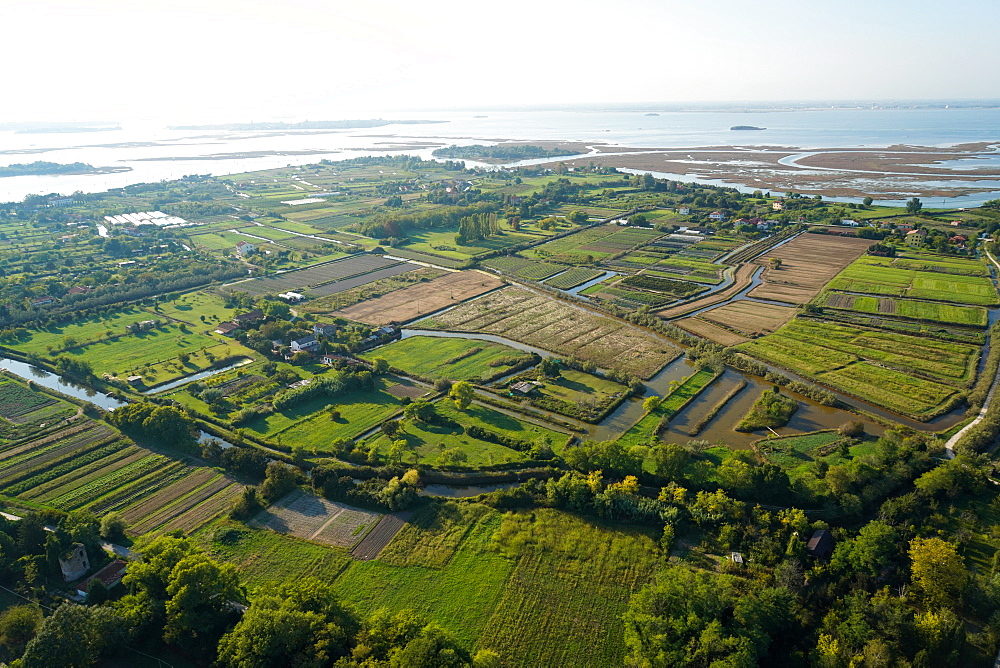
(432, 443)
(975, 316)
(573, 277)
(867, 277)
(535, 577)
(82, 330)
(199, 309)
(533, 270)
(880, 367)
(576, 386)
(309, 425)
(451, 358)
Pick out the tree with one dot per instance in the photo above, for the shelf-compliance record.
(549, 367)
(868, 201)
(462, 393)
(199, 594)
(247, 505)
(937, 571)
(420, 410)
(296, 623)
(18, 625)
(380, 366)
(669, 460)
(113, 526)
(870, 552)
(73, 637)
(914, 205)
(279, 479)
(651, 404)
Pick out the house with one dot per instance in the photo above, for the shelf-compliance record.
(74, 564)
(305, 344)
(777, 205)
(850, 223)
(684, 210)
(717, 216)
(133, 232)
(134, 381)
(957, 223)
(41, 301)
(388, 330)
(248, 318)
(79, 290)
(226, 328)
(292, 297)
(299, 383)
(109, 576)
(142, 326)
(821, 544)
(915, 237)
(126, 264)
(736, 557)
(323, 329)
(904, 227)
(245, 248)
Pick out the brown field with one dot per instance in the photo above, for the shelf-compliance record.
(751, 318)
(406, 388)
(744, 274)
(544, 322)
(808, 262)
(421, 299)
(308, 516)
(707, 330)
(380, 536)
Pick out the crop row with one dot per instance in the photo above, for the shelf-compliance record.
(141, 508)
(181, 506)
(17, 400)
(83, 474)
(203, 512)
(58, 450)
(573, 278)
(33, 478)
(141, 487)
(97, 488)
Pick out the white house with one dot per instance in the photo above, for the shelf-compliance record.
(305, 344)
(245, 248)
(717, 215)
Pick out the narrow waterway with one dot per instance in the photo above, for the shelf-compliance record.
(201, 375)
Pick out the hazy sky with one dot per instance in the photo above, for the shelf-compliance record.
(233, 60)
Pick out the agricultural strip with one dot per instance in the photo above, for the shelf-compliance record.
(863, 277)
(319, 280)
(741, 280)
(953, 314)
(306, 515)
(808, 262)
(573, 277)
(383, 533)
(454, 359)
(540, 321)
(750, 318)
(648, 427)
(707, 330)
(421, 299)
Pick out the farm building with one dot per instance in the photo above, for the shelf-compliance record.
(41, 301)
(821, 544)
(109, 576)
(524, 388)
(915, 237)
(249, 318)
(226, 329)
(323, 329)
(305, 344)
(292, 297)
(74, 564)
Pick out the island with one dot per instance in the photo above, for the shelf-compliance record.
(41, 168)
(746, 127)
(500, 152)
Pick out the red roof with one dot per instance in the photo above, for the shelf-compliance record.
(110, 575)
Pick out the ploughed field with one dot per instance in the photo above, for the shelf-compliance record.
(738, 321)
(808, 262)
(306, 515)
(76, 463)
(543, 322)
(420, 299)
(327, 279)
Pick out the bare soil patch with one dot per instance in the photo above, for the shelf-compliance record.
(380, 536)
(751, 318)
(707, 330)
(405, 388)
(308, 516)
(421, 299)
(808, 262)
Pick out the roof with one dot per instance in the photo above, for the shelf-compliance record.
(821, 544)
(916, 232)
(241, 244)
(110, 575)
(226, 327)
(523, 386)
(255, 314)
(305, 340)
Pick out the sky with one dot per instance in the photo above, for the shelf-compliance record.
(239, 60)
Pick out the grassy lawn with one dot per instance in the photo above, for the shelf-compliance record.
(863, 275)
(451, 358)
(83, 330)
(429, 441)
(442, 242)
(576, 386)
(199, 309)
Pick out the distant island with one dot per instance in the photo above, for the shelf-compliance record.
(652, 113)
(502, 152)
(42, 127)
(303, 125)
(40, 168)
(746, 127)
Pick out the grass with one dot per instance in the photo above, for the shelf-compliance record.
(199, 309)
(864, 276)
(451, 358)
(83, 330)
(265, 557)
(429, 441)
(974, 316)
(772, 409)
(645, 430)
(310, 426)
(514, 582)
(576, 386)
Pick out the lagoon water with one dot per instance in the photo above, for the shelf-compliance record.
(154, 152)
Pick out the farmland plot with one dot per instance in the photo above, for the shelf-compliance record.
(546, 323)
(306, 515)
(808, 262)
(327, 278)
(750, 318)
(864, 277)
(421, 299)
